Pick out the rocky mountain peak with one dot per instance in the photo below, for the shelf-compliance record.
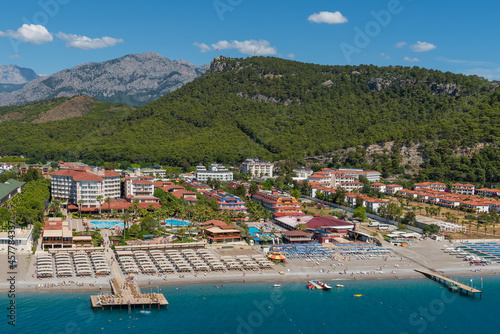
(134, 79)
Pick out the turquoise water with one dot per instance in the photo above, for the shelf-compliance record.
(254, 230)
(387, 306)
(106, 224)
(175, 222)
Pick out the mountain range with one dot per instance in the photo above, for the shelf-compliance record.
(134, 79)
(13, 77)
(279, 109)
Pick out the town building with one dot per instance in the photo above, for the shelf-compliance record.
(391, 189)
(214, 172)
(229, 202)
(257, 168)
(22, 239)
(278, 204)
(5, 167)
(438, 186)
(488, 192)
(198, 186)
(464, 189)
(302, 173)
(373, 204)
(377, 186)
(138, 186)
(188, 196)
(44, 169)
(154, 172)
(9, 189)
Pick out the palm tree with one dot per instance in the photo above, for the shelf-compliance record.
(301, 227)
(80, 203)
(99, 200)
(125, 218)
(108, 200)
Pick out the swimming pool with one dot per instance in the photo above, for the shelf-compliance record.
(176, 222)
(106, 224)
(252, 230)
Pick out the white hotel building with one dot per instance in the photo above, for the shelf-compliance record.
(257, 168)
(84, 184)
(138, 186)
(214, 172)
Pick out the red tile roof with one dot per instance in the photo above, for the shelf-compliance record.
(326, 221)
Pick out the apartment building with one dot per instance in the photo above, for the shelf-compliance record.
(278, 204)
(214, 172)
(229, 202)
(257, 168)
(138, 186)
(464, 189)
(73, 185)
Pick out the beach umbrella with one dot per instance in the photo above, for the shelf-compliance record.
(276, 257)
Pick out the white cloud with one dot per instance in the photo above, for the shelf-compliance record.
(87, 43)
(411, 60)
(327, 17)
(16, 56)
(30, 33)
(487, 73)
(422, 47)
(203, 47)
(291, 55)
(384, 56)
(400, 44)
(463, 61)
(249, 47)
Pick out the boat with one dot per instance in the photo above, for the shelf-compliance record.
(358, 295)
(340, 285)
(318, 285)
(324, 285)
(277, 285)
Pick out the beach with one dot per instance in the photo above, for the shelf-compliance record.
(426, 255)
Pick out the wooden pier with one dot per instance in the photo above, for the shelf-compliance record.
(453, 285)
(126, 294)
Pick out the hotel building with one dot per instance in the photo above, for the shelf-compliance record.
(257, 168)
(278, 204)
(214, 172)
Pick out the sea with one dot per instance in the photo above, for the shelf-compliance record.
(417, 305)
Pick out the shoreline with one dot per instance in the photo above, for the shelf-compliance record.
(268, 277)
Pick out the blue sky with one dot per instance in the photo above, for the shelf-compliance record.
(457, 36)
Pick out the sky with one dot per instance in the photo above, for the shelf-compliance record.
(457, 36)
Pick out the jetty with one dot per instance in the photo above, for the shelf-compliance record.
(126, 294)
(453, 285)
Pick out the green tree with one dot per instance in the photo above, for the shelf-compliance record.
(359, 212)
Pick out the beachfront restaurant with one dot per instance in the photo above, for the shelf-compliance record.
(294, 237)
(218, 232)
(56, 234)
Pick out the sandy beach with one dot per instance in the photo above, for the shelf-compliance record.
(426, 254)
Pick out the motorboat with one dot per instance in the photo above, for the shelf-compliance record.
(318, 285)
(277, 285)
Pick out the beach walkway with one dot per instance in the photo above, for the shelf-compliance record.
(125, 291)
(454, 285)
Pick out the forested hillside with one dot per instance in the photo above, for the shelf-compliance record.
(278, 109)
